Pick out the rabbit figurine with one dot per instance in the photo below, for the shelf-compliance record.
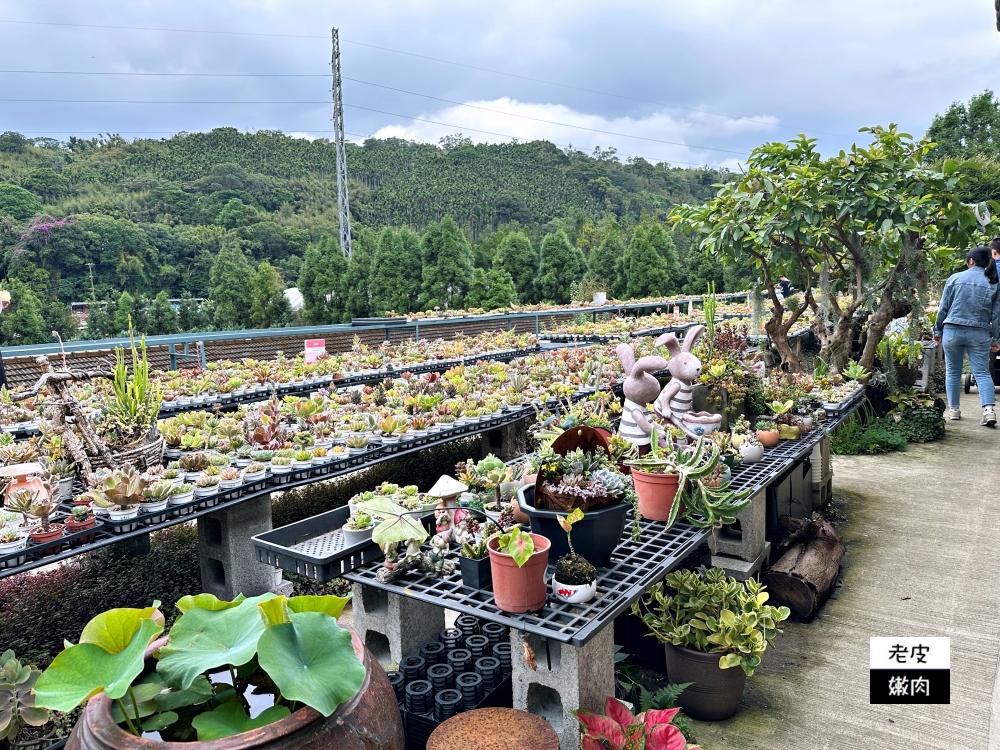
(674, 404)
(640, 390)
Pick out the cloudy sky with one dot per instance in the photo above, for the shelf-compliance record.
(689, 82)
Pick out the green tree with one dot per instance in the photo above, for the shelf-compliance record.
(235, 214)
(518, 258)
(125, 313)
(190, 317)
(560, 264)
(268, 304)
(18, 202)
(162, 316)
(22, 321)
(357, 282)
(230, 288)
(393, 288)
(322, 282)
(45, 182)
(604, 262)
(965, 131)
(447, 265)
(665, 246)
(643, 270)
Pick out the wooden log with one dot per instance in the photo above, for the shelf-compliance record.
(804, 575)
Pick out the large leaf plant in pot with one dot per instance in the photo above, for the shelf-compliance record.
(193, 685)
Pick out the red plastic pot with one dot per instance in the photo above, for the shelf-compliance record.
(656, 494)
(74, 526)
(519, 589)
(38, 536)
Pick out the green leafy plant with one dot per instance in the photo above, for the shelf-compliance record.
(135, 401)
(854, 371)
(475, 550)
(292, 648)
(518, 544)
(396, 523)
(713, 614)
(17, 699)
(572, 568)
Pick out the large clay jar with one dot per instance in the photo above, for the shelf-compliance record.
(519, 589)
(368, 721)
(715, 693)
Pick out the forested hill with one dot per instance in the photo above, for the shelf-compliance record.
(94, 218)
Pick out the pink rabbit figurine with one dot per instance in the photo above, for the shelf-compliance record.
(640, 390)
(674, 404)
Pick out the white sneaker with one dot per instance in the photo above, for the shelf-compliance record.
(954, 414)
(989, 416)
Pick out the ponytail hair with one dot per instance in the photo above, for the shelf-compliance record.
(983, 258)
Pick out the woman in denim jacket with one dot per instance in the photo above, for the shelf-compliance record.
(968, 320)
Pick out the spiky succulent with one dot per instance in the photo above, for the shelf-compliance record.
(158, 492)
(193, 462)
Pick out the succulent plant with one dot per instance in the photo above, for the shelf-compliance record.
(302, 456)
(17, 698)
(206, 481)
(158, 492)
(360, 521)
(356, 441)
(122, 490)
(255, 467)
(612, 481)
(21, 502)
(229, 474)
(181, 489)
(193, 462)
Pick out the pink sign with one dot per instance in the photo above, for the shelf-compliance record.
(314, 347)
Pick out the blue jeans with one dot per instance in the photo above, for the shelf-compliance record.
(957, 340)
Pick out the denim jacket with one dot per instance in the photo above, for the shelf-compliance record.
(969, 299)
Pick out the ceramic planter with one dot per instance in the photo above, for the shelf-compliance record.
(768, 438)
(519, 589)
(16, 546)
(355, 536)
(752, 453)
(595, 537)
(230, 484)
(476, 574)
(573, 593)
(123, 515)
(656, 493)
(277, 469)
(789, 432)
(715, 694)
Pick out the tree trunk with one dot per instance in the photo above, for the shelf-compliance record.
(779, 339)
(804, 575)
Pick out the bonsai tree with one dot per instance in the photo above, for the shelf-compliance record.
(573, 569)
(17, 699)
(713, 614)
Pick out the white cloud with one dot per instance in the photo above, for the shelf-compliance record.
(659, 136)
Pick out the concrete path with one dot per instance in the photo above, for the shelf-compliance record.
(922, 534)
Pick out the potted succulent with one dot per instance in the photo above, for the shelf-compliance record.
(356, 444)
(46, 531)
(230, 478)
(17, 705)
(80, 518)
(474, 564)
(575, 579)
(751, 449)
(517, 563)
(193, 465)
(321, 455)
(156, 497)
(244, 455)
(715, 630)
(767, 433)
(302, 459)
(172, 475)
(323, 687)
(181, 494)
(788, 424)
(120, 494)
(358, 528)
(12, 540)
(262, 457)
(281, 465)
(255, 470)
(206, 486)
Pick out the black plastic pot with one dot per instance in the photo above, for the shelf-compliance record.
(715, 694)
(476, 574)
(595, 537)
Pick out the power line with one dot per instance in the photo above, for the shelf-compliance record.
(422, 57)
(368, 109)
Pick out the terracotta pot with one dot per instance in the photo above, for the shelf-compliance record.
(38, 536)
(519, 589)
(25, 475)
(656, 494)
(715, 694)
(519, 515)
(768, 438)
(368, 721)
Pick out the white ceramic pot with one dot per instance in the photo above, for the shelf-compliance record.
(17, 545)
(352, 536)
(242, 463)
(296, 464)
(573, 594)
(123, 515)
(752, 454)
(230, 484)
(281, 469)
(205, 491)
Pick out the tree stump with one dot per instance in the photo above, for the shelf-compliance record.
(804, 575)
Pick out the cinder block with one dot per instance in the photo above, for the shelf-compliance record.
(748, 541)
(567, 678)
(741, 570)
(393, 626)
(229, 565)
(509, 441)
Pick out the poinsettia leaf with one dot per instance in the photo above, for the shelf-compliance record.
(602, 728)
(618, 712)
(230, 718)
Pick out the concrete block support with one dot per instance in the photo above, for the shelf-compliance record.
(747, 541)
(393, 626)
(508, 442)
(566, 678)
(229, 565)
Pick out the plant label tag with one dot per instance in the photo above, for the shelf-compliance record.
(314, 348)
(910, 670)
